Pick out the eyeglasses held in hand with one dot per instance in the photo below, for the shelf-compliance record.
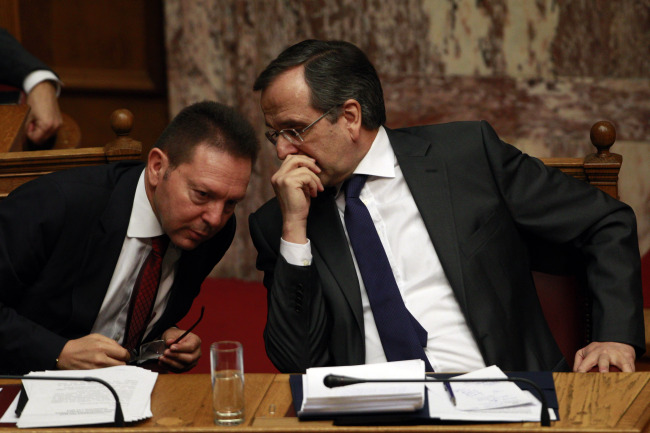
(155, 349)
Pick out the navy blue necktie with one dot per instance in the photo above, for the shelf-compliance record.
(402, 336)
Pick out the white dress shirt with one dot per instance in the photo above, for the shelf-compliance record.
(38, 76)
(414, 261)
(143, 225)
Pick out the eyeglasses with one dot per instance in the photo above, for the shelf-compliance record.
(290, 134)
(155, 349)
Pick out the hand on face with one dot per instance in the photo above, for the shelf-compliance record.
(295, 183)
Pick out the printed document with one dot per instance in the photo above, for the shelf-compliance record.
(365, 397)
(55, 403)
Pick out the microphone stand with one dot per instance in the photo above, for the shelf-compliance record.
(334, 381)
(119, 416)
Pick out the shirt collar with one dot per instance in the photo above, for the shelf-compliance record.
(143, 222)
(380, 159)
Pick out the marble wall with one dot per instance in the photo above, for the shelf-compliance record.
(540, 71)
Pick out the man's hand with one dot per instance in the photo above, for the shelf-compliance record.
(295, 183)
(91, 351)
(603, 355)
(183, 355)
(44, 118)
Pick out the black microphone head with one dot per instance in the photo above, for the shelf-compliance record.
(334, 381)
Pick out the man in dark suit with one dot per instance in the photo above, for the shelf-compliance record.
(454, 208)
(18, 68)
(72, 245)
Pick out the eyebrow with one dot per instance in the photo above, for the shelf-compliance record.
(288, 123)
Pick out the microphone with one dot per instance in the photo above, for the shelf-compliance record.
(119, 416)
(335, 380)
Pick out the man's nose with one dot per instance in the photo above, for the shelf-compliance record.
(213, 214)
(285, 148)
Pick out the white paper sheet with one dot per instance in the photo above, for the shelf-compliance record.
(365, 397)
(487, 401)
(65, 403)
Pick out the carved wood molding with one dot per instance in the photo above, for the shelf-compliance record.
(600, 169)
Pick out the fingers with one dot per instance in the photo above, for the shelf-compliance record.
(39, 129)
(292, 162)
(603, 363)
(92, 351)
(181, 356)
(295, 183)
(44, 118)
(605, 355)
(298, 172)
(179, 362)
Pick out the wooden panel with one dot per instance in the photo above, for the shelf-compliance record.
(100, 45)
(109, 54)
(92, 111)
(9, 16)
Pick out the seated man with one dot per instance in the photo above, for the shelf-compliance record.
(398, 244)
(96, 260)
(20, 69)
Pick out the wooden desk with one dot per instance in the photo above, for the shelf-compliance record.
(614, 402)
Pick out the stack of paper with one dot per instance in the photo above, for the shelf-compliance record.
(484, 401)
(365, 397)
(64, 403)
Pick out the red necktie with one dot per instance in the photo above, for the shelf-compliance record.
(144, 292)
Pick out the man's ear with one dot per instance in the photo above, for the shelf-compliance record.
(157, 165)
(351, 113)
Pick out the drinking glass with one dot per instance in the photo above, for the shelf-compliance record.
(227, 371)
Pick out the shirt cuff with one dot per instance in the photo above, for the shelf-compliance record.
(39, 76)
(296, 254)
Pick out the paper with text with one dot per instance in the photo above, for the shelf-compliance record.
(484, 401)
(65, 403)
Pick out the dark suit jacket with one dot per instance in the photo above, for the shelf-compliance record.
(60, 238)
(15, 62)
(481, 201)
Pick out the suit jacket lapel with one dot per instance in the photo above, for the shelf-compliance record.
(330, 243)
(426, 176)
(102, 251)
